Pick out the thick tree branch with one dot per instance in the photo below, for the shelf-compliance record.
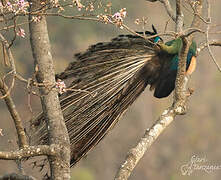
(150, 135)
(180, 95)
(179, 17)
(57, 131)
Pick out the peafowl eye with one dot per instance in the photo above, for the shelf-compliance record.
(114, 73)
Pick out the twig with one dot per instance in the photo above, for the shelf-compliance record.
(195, 10)
(169, 33)
(191, 30)
(80, 17)
(12, 63)
(9, 53)
(169, 9)
(205, 45)
(207, 38)
(167, 22)
(197, 14)
(7, 93)
(14, 30)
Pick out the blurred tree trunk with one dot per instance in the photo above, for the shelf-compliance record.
(57, 131)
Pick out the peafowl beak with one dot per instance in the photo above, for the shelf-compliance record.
(158, 46)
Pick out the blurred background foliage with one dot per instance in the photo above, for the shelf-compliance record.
(196, 133)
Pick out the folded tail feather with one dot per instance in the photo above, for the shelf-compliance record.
(110, 77)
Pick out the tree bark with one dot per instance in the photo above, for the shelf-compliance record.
(57, 131)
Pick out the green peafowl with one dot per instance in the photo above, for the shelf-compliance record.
(107, 79)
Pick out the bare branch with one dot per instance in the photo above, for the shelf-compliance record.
(150, 135)
(22, 140)
(169, 9)
(31, 151)
(207, 38)
(12, 64)
(179, 17)
(205, 44)
(170, 33)
(180, 95)
(71, 17)
(9, 53)
(57, 131)
(197, 14)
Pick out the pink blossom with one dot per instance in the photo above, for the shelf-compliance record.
(123, 12)
(21, 32)
(117, 16)
(61, 86)
(22, 5)
(36, 18)
(9, 6)
(78, 4)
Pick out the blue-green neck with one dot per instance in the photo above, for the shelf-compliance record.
(174, 47)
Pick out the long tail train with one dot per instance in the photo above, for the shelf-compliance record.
(115, 73)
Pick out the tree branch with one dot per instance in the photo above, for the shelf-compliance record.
(177, 108)
(31, 151)
(12, 65)
(150, 135)
(179, 17)
(211, 43)
(168, 8)
(207, 37)
(57, 131)
(22, 140)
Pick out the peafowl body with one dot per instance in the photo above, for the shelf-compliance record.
(106, 80)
